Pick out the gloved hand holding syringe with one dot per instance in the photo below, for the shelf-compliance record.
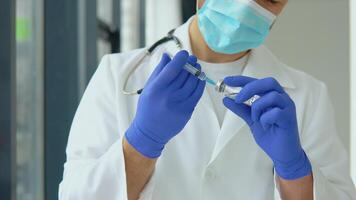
(220, 86)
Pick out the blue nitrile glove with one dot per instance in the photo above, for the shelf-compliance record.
(273, 123)
(165, 105)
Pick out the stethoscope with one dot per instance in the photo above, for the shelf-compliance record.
(148, 52)
(220, 86)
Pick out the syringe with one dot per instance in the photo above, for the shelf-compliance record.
(198, 73)
(219, 86)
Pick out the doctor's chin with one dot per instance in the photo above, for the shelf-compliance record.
(179, 99)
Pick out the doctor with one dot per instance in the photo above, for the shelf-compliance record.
(181, 140)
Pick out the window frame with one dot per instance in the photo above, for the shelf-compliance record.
(7, 100)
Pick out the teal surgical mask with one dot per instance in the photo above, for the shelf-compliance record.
(234, 26)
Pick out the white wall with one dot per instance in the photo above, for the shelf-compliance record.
(161, 17)
(313, 36)
(130, 28)
(353, 89)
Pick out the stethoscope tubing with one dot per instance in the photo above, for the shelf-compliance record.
(148, 52)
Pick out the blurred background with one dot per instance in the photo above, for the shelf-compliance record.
(49, 49)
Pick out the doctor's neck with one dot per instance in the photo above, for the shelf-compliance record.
(202, 51)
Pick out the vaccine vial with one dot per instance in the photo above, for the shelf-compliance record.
(231, 92)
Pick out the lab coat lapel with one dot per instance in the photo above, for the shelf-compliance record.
(230, 127)
(261, 64)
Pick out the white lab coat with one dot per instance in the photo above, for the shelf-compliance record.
(203, 162)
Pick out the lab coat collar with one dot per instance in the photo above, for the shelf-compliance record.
(261, 64)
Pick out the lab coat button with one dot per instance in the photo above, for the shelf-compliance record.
(210, 173)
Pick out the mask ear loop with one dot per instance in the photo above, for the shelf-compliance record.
(274, 22)
(197, 7)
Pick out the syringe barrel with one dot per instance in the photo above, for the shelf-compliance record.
(196, 72)
(191, 69)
